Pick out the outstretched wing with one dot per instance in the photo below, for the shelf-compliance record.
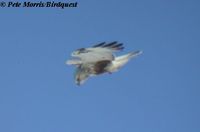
(82, 73)
(98, 52)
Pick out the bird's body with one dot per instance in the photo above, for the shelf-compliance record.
(99, 59)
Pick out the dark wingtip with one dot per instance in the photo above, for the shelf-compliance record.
(99, 45)
(118, 46)
(112, 45)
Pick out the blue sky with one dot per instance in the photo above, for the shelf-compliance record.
(156, 92)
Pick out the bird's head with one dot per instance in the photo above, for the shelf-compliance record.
(77, 52)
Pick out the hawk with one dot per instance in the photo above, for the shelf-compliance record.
(99, 59)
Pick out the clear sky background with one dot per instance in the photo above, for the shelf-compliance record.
(156, 92)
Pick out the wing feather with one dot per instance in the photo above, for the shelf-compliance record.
(100, 52)
(99, 45)
(112, 46)
(82, 74)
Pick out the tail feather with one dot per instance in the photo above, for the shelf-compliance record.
(129, 55)
(120, 61)
(134, 53)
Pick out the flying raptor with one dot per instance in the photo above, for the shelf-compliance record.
(99, 59)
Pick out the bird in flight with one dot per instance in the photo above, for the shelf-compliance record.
(98, 59)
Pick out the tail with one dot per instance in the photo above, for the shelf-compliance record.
(121, 61)
(129, 55)
(135, 53)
